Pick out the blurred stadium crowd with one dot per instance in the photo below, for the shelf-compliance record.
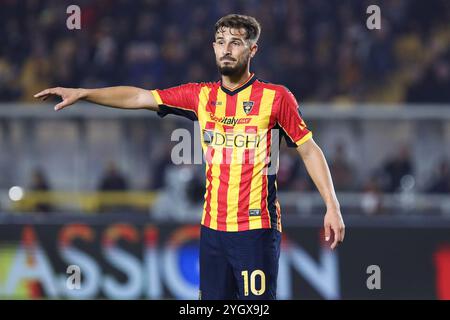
(319, 49)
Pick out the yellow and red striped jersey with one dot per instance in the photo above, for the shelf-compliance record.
(237, 140)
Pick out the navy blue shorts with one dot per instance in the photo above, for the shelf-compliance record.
(239, 265)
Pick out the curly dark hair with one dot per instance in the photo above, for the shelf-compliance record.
(238, 21)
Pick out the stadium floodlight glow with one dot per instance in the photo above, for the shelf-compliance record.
(16, 193)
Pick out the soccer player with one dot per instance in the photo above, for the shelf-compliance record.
(238, 116)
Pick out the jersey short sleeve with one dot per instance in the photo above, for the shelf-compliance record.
(290, 120)
(181, 100)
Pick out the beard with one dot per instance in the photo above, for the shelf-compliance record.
(235, 70)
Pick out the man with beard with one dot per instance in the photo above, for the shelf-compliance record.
(240, 118)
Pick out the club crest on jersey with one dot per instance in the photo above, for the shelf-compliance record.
(248, 106)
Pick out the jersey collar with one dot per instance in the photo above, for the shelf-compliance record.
(241, 87)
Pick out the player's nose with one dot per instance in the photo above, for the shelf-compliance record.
(226, 50)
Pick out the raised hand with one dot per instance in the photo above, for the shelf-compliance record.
(68, 95)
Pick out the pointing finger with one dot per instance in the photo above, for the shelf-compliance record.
(42, 93)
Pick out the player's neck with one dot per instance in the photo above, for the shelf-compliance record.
(232, 82)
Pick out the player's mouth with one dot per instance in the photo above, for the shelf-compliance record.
(227, 60)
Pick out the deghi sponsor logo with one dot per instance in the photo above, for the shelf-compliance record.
(232, 140)
(230, 120)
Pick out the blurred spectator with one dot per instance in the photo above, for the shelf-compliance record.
(113, 179)
(185, 205)
(39, 183)
(341, 170)
(441, 181)
(9, 88)
(292, 173)
(379, 61)
(36, 72)
(371, 201)
(195, 189)
(434, 86)
(288, 169)
(397, 168)
(159, 167)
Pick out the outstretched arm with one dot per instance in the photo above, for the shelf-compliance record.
(122, 97)
(318, 170)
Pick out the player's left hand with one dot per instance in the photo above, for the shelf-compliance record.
(333, 221)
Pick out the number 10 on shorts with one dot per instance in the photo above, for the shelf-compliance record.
(253, 275)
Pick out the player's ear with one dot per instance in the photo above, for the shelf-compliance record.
(253, 50)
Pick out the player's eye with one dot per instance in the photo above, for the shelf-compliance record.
(236, 43)
(220, 43)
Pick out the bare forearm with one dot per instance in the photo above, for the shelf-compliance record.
(318, 170)
(120, 97)
(116, 97)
